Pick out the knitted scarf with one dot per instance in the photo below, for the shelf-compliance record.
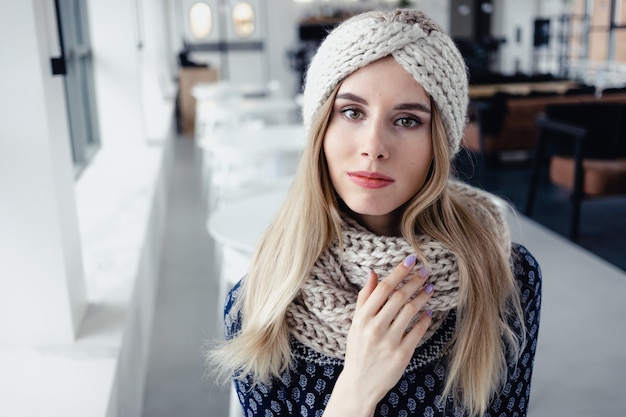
(321, 315)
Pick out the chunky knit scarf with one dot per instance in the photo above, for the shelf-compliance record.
(321, 314)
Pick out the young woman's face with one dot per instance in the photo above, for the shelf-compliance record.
(378, 143)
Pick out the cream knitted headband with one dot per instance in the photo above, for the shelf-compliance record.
(414, 41)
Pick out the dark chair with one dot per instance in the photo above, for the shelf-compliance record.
(614, 90)
(585, 145)
(540, 93)
(582, 89)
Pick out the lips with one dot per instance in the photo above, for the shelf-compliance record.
(370, 179)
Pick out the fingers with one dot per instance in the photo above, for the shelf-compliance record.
(378, 341)
(380, 295)
(404, 298)
(366, 291)
(410, 310)
(413, 336)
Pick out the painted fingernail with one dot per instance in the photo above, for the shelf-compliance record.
(429, 289)
(429, 313)
(424, 271)
(410, 260)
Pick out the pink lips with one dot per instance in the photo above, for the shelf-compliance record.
(370, 179)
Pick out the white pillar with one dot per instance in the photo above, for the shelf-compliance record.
(116, 38)
(42, 290)
(282, 35)
(158, 86)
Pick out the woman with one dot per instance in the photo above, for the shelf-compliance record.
(383, 287)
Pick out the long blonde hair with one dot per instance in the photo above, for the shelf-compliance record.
(305, 226)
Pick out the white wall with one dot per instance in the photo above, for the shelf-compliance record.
(158, 88)
(282, 36)
(134, 82)
(59, 344)
(115, 38)
(44, 297)
(438, 10)
(41, 273)
(510, 16)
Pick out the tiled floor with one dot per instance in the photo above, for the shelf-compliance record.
(179, 383)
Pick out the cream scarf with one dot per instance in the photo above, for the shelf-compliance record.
(321, 314)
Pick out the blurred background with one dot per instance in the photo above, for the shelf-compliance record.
(146, 144)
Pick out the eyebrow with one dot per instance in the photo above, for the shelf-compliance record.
(403, 106)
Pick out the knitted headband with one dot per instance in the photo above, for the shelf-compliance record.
(414, 41)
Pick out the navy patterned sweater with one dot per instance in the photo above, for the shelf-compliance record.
(305, 390)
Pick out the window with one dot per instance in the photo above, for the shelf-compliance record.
(620, 13)
(79, 81)
(596, 40)
(200, 20)
(607, 29)
(243, 19)
(619, 32)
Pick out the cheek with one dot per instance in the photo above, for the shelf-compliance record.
(328, 154)
(334, 151)
(420, 166)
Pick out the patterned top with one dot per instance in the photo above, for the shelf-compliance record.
(306, 388)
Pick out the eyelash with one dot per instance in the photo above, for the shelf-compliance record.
(415, 122)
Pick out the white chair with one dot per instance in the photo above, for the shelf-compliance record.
(223, 104)
(236, 228)
(234, 405)
(240, 161)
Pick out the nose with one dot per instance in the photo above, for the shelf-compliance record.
(374, 145)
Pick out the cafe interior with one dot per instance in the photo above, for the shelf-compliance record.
(147, 144)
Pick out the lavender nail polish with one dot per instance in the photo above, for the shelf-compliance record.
(429, 289)
(410, 260)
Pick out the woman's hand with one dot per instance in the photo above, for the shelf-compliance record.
(379, 347)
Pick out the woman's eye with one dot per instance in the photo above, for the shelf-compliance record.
(408, 122)
(353, 114)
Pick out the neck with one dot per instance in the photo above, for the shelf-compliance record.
(385, 225)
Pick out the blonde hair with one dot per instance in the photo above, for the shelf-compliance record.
(305, 226)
